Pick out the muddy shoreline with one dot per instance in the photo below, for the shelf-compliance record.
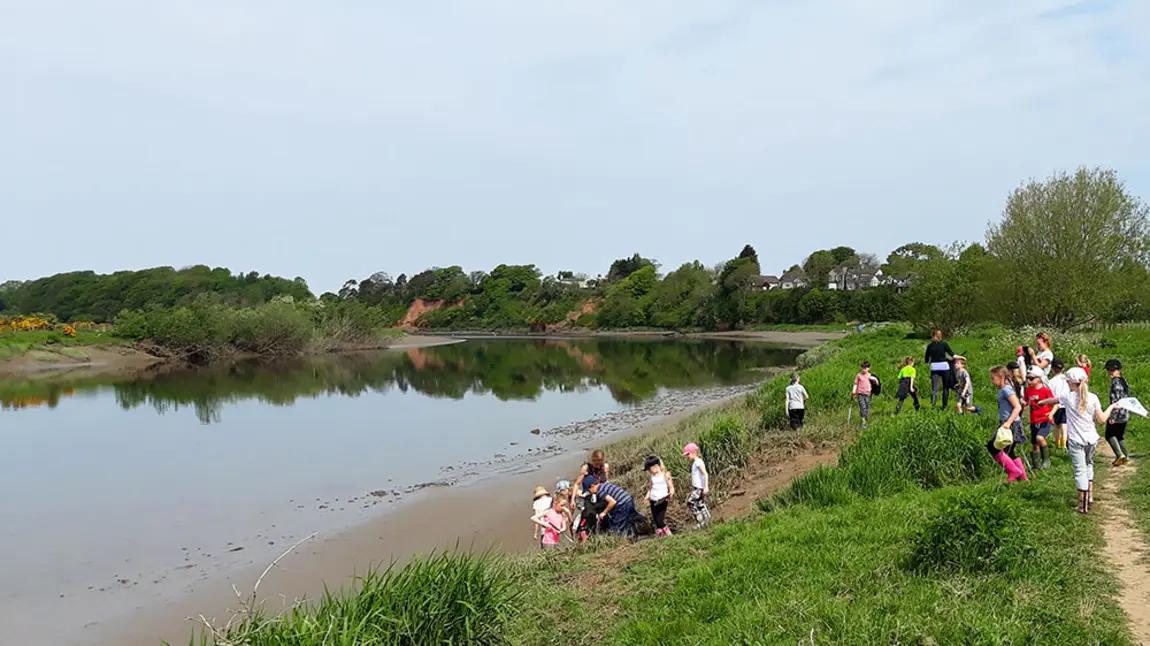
(798, 339)
(474, 506)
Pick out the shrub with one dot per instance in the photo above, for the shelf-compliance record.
(978, 532)
(821, 487)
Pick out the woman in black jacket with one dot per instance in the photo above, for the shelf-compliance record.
(938, 356)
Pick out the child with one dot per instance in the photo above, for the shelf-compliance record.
(700, 487)
(594, 506)
(796, 401)
(554, 521)
(1084, 363)
(1009, 411)
(964, 388)
(659, 493)
(1040, 417)
(1083, 410)
(1059, 386)
(539, 507)
(906, 376)
(1116, 425)
(1018, 383)
(597, 467)
(563, 491)
(861, 390)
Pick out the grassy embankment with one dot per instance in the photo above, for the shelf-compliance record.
(45, 343)
(912, 538)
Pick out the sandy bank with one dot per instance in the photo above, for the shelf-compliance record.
(796, 339)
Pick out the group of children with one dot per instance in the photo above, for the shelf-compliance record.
(1061, 408)
(597, 505)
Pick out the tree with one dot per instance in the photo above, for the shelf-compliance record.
(732, 305)
(841, 254)
(818, 267)
(951, 289)
(907, 261)
(749, 252)
(624, 267)
(1066, 248)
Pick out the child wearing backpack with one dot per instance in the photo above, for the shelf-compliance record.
(906, 377)
(862, 390)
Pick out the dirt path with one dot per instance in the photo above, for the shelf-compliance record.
(1127, 553)
(764, 477)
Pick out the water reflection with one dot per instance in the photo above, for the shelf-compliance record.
(509, 369)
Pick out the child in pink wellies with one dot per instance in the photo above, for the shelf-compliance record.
(1009, 413)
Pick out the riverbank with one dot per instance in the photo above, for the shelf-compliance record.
(463, 506)
(108, 358)
(801, 338)
(912, 538)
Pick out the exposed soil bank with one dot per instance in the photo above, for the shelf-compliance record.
(801, 339)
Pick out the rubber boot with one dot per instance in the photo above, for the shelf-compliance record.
(1119, 454)
(1125, 453)
(1007, 465)
(1035, 459)
(1021, 470)
(1045, 451)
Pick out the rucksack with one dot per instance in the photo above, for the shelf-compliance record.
(876, 386)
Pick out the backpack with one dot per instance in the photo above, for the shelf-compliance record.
(875, 385)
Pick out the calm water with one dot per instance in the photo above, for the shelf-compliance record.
(112, 490)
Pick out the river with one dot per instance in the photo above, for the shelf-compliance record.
(128, 492)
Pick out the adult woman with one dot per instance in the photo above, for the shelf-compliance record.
(938, 354)
(1044, 355)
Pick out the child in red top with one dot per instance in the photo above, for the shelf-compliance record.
(1041, 417)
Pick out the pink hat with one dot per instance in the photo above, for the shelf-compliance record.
(687, 450)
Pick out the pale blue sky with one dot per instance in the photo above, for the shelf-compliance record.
(334, 139)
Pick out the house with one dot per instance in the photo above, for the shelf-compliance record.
(764, 283)
(792, 280)
(852, 277)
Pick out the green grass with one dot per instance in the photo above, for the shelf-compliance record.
(440, 599)
(17, 344)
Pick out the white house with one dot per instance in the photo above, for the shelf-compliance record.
(792, 280)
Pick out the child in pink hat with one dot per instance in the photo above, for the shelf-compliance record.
(700, 486)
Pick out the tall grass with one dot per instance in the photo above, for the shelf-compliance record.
(925, 451)
(448, 598)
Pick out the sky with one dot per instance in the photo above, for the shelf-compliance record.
(334, 139)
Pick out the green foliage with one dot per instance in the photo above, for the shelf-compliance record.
(448, 598)
(1083, 235)
(978, 532)
(86, 295)
(907, 262)
(624, 267)
(733, 304)
(951, 290)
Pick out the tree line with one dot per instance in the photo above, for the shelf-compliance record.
(1068, 250)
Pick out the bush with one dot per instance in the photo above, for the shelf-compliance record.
(978, 532)
(441, 599)
(925, 451)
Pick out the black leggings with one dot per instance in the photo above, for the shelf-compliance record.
(937, 382)
(1116, 430)
(994, 450)
(659, 513)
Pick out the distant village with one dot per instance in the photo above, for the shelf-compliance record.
(843, 278)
